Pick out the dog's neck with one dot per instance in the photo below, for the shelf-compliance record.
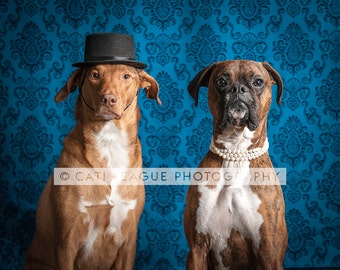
(260, 134)
(92, 136)
(241, 139)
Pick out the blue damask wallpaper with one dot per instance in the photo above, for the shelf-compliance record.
(40, 39)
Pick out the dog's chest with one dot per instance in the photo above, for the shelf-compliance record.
(112, 211)
(231, 205)
(112, 145)
(228, 207)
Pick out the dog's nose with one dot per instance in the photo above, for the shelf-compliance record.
(239, 89)
(109, 100)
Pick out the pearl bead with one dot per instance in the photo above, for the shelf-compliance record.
(240, 154)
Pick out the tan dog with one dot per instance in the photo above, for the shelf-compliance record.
(95, 227)
(230, 224)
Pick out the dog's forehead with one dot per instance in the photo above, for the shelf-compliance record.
(238, 67)
(113, 68)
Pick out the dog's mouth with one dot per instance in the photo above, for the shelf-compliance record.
(108, 117)
(107, 114)
(238, 115)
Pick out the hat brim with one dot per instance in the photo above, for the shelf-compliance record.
(112, 62)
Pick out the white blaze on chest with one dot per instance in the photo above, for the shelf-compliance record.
(112, 144)
(233, 206)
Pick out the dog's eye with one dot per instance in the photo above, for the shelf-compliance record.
(258, 82)
(95, 75)
(126, 76)
(221, 82)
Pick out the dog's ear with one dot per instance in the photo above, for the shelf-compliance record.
(201, 79)
(150, 85)
(70, 86)
(276, 79)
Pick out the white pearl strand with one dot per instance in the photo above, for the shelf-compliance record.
(239, 154)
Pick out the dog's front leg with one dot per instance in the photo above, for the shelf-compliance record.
(65, 258)
(197, 259)
(125, 259)
(126, 253)
(69, 242)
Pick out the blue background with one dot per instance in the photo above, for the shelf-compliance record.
(40, 39)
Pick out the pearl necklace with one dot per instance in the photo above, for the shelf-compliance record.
(239, 154)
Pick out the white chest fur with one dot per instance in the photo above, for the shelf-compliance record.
(112, 143)
(118, 214)
(233, 206)
(113, 146)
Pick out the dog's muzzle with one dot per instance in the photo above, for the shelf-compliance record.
(107, 102)
(238, 110)
(234, 115)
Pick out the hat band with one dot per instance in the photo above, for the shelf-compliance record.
(108, 58)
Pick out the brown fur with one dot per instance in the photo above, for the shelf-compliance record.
(61, 228)
(239, 254)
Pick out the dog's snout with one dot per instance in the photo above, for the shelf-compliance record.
(109, 100)
(239, 89)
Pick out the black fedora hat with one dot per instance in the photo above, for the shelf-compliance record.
(109, 48)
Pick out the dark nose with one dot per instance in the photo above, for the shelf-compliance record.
(239, 89)
(109, 100)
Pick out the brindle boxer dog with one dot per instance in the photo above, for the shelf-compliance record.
(232, 224)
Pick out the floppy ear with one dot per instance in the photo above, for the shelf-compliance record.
(71, 85)
(276, 79)
(150, 85)
(201, 79)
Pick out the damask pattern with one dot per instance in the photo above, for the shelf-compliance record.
(40, 39)
(32, 142)
(250, 12)
(294, 48)
(31, 48)
(293, 142)
(328, 94)
(206, 48)
(172, 99)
